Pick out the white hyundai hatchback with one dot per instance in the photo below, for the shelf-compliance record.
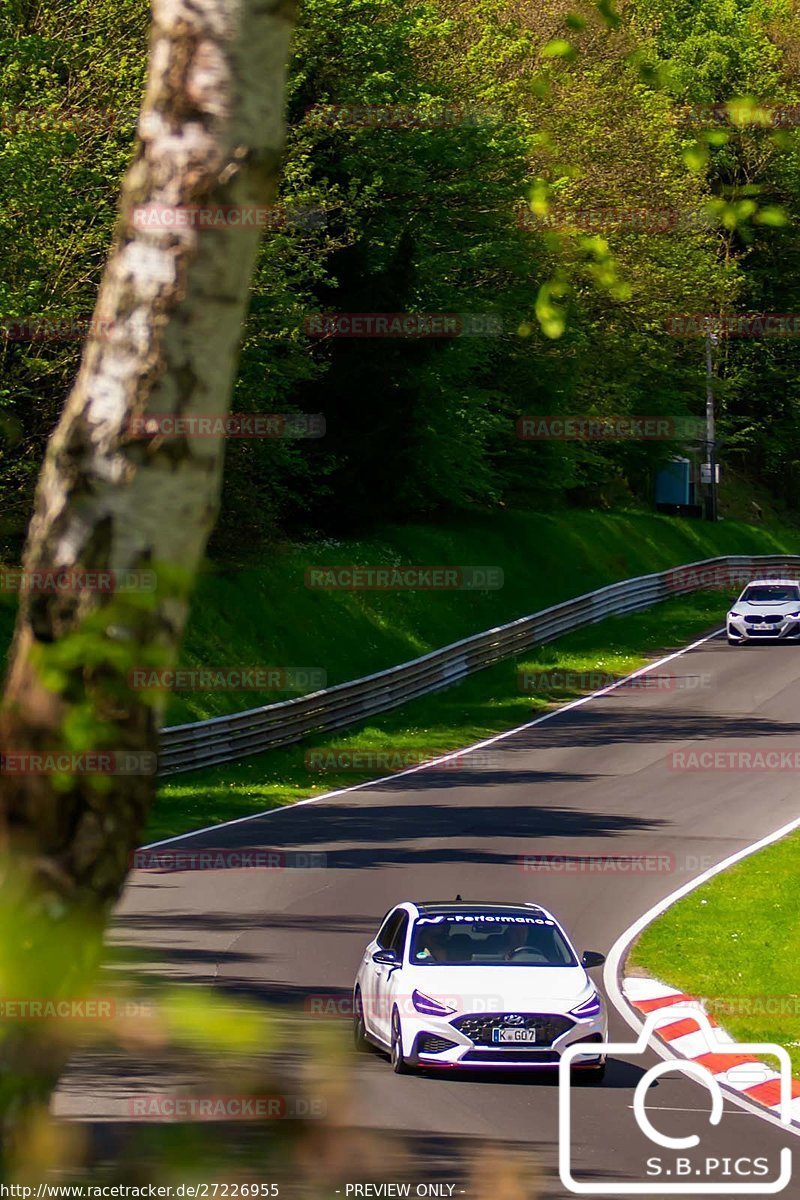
(767, 610)
(460, 985)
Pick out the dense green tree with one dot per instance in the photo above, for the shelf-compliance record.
(569, 107)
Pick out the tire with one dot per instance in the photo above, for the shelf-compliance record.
(359, 1028)
(399, 1064)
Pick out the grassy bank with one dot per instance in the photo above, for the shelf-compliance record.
(736, 941)
(485, 704)
(266, 615)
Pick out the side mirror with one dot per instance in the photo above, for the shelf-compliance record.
(592, 958)
(389, 957)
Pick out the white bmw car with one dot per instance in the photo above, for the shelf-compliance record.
(461, 985)
(767, 610)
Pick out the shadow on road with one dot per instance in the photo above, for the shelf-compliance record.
(402, 833)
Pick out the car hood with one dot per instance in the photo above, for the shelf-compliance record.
(503, 989)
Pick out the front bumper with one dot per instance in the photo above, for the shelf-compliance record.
(438, 1042)
(787, 629)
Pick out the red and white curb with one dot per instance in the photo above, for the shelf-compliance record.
(745, 1074)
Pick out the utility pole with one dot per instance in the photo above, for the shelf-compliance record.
(711, 436)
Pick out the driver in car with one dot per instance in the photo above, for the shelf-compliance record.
(535, 946)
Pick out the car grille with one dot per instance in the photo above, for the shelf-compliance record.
(769, 619)
(429, 1043)
(543, 1057)
(478, 1027)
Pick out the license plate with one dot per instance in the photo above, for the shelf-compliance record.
(763, 626)
(509, 1033)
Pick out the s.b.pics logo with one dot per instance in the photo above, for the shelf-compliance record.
(682, 1165)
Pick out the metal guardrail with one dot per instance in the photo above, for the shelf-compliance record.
(229, 738)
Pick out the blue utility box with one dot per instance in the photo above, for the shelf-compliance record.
(673, 482)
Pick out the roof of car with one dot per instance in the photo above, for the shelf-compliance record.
(456, 906)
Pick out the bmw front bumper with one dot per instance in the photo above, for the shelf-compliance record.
(740, 629)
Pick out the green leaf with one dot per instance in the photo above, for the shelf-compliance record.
(551, 316)
(696, 157)
(558, 48)
(540, 86)
(609, 14)
(771, 214)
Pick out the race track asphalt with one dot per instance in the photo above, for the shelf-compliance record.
(591, 783)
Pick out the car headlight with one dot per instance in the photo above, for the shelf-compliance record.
(429, 1006)
(734, 614)
(792, 615)
(589, 1008)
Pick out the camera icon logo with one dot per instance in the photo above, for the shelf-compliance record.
(748, 1073)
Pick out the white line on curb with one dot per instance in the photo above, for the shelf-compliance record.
(498, 737)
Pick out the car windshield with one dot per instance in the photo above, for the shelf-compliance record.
(775, 593)
(489, 938)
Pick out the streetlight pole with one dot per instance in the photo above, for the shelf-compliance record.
(711, 436)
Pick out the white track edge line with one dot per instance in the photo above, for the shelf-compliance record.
(498, 737)
(614, 963)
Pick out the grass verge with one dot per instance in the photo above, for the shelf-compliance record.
(264, 614)
(736, 941)
(487, 703)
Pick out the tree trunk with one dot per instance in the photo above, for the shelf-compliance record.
(113, 499)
